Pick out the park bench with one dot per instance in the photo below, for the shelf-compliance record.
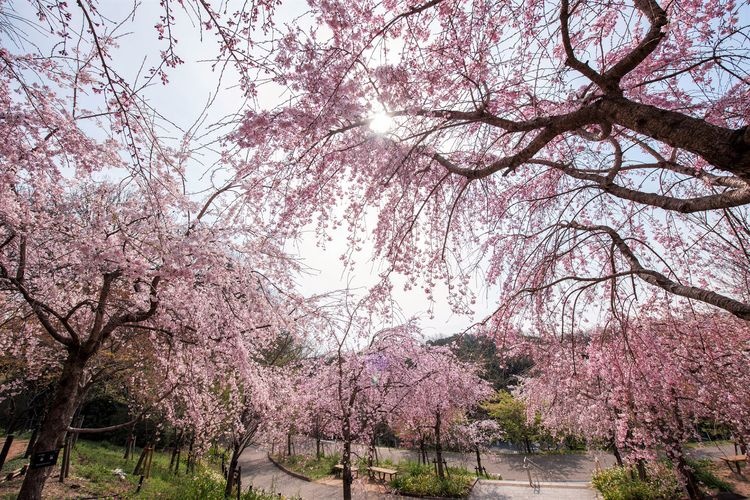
(736, 460)
(339, 470)
(382, 473)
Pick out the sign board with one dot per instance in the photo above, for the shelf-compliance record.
(43, 459)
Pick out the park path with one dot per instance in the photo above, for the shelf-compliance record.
(517, 490)
(262, 473)
(557, 477)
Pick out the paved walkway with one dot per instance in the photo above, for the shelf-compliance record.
(261, 473)
(510, 490)
(562, 477)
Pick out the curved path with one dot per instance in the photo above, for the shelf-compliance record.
(556, 476)
(262, 473)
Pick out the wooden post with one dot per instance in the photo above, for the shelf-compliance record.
(149, 459)
(139, 465)
(140, 483)
(126, 456)
(66, 454)
(75, 436)
(6, 449)
(32, 440)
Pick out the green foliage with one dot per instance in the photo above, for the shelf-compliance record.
(97, 461)
(621, 483)
(418, 479)
(510, 414)
(311, 467)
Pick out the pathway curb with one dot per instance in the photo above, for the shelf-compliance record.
(290, 472)
(548, 484)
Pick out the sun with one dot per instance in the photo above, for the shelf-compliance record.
(381, 123)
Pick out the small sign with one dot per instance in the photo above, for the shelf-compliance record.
(43, 459)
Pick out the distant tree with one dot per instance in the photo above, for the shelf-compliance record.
(511, 416)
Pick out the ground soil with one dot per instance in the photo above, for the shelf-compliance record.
(17, 449)
(740, 484)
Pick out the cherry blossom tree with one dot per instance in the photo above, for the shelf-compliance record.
(579, 157)
(358, 389)
(476, 436)
(448, 390)
(645, 386)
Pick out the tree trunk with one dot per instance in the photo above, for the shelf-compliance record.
(690, 482)
(317, 447)
(479, 461)
(640, 466)
(289, 444)
(527, 443)
(616, 453)
(346, 461)
(55, 424)
(232, 469)
(438, 448)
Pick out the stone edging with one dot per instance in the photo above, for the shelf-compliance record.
(290, 472)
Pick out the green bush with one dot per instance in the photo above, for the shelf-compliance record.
(418, 479)
(621, 483)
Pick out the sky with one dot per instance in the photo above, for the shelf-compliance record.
(195, 83)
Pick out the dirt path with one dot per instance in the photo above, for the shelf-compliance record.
(17, 449)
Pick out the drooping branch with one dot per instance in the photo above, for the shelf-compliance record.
(727, 199)
(739, 309)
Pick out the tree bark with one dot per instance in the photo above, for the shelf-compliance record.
(346, 461)
(479, 461)
(690, 482)
(232, 469)
(616, 453)
(724, 148)
(55, 423)
(438, 448)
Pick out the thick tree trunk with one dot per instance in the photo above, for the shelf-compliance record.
(55, 424)
(318, 455)
(527, 443)
(438, 448)
(726, 149)
(289, 444)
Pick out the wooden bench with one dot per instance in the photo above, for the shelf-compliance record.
(382, 473)
(339, 469)
(736, 460)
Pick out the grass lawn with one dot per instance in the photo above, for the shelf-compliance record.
(310, 467)
(92, 473)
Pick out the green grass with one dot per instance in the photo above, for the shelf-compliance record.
(310, 467)
(418, 479)
(703, 470)
(93, 464)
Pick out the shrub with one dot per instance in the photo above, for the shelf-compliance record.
(620, 483)
(418, 479)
